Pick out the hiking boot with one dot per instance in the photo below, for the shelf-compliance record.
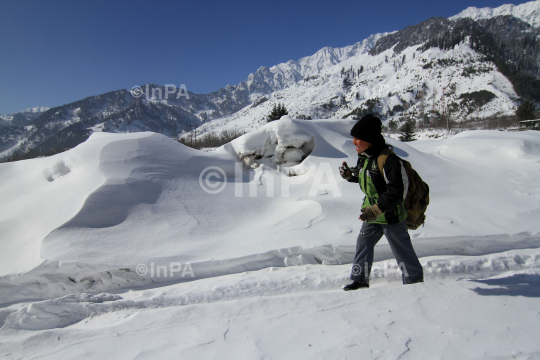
(355, 285)
(410, 282)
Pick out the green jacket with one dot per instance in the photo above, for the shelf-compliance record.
(388, 190)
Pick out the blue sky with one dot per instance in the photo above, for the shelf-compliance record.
(56, 52)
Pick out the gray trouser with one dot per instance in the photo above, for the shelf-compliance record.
(400, 243)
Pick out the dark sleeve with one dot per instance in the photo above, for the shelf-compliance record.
(397, 183)
(355, 171)
(354, 178)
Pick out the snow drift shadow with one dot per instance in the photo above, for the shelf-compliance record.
(109, 205)
(400, 152)
(527, 285)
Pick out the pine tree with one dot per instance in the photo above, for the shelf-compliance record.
(407, 132)
(278, 110)
(525, 111)
(393, 126)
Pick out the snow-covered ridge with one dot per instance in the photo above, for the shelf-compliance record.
(411, 83)
(328, 56)
(287, 74)
(529, 12)
(31, 112)
(35, 109)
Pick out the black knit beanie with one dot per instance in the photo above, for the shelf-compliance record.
(368, 129)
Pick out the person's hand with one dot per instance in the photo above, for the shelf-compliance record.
(370, 213)
(345, 171)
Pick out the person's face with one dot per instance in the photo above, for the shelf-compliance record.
(361, 145)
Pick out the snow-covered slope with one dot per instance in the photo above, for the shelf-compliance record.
(529, 12)
(288, 74)
(410, 84)
(129, 242)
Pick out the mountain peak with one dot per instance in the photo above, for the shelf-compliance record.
(39, 109)
(528, 12)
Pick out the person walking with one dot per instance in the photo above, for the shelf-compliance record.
(383, 209)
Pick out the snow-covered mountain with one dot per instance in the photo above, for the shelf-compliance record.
(465, 68)
(14, 126)
(528, 12)
(119, 111)
(22, 118)
(477, 64)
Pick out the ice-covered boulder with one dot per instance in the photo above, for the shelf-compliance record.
(281, 142)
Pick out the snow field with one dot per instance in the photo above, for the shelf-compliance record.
(76, 228)
(248, 314)
(302, 275)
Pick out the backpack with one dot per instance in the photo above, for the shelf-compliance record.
(417, 198)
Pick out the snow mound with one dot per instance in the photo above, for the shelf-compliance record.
(486, 145)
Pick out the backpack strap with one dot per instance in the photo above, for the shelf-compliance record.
(381, 159)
